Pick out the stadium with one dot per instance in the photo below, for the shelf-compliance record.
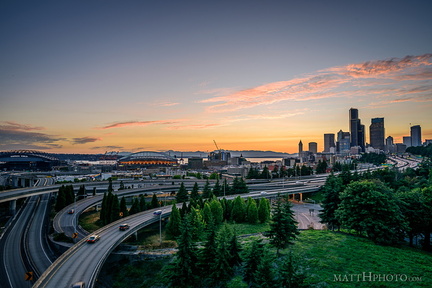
(27, 160)
(148, 159)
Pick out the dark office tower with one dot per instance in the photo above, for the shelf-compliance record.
(357, 130)
(329, 142)
(376, 133)
(313, 147)
(300, 146)
(416, 139)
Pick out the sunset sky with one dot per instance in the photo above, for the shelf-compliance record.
(89, 76)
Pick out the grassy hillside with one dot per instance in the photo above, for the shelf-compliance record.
(327, 254)
(330, 259)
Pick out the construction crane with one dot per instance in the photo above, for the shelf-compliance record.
(216, 146)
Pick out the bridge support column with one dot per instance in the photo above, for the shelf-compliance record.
(12, 207)
(301, 197)
(136, 235)
(96, 207)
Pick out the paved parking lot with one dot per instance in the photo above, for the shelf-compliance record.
(306, 215)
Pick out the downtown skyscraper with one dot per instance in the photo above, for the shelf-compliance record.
(377, 133)
(357, 130)
(416, 139)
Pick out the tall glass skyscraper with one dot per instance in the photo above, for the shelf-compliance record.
(357, 130)
(416, 139)
(376, 133)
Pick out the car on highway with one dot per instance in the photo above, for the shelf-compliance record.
(71, 211)
(124, 226)
(78, 285)
(93, 238)
(263, 193)
(157, 213)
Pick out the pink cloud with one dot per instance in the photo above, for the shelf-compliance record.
(139, 123)
(343, 81)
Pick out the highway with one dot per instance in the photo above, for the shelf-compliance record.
(13, 268)
(83, 261)
(35, 239)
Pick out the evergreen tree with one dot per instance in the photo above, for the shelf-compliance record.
(234, 249)
(115, 209)
(289, 274)
(103, 211)
(81, 194)
(264, 274)
(184, 210)
(135, 208)
(182, 272)
(206, 190)
(110, 186)
(238, 210)
(331, 200)
(264, 210)
(283, 227)
(207, 213)
(142, 203)
(252, 259)
(182, 194)
(208, 253)
(217, 211)
(123, 207)
(173, 226)
(321, 167)
(61, 199)
(265, 174)
(217, 189)
(252, 212)
(197, 223)
(226, 190)
(243, 186)
(222, 271)
(194, 193)
(69, 194)
(235, 187)
(154, 201)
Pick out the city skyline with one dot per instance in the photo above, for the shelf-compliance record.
(90, 76)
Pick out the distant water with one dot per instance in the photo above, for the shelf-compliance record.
(253, 160)
(259, 160)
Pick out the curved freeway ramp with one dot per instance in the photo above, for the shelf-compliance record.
(83, 261)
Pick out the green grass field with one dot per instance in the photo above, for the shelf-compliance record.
(335, 259)
(329, 259)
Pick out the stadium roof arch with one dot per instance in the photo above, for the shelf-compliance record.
(148, 158)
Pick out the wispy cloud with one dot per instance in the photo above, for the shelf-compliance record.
(84, 140)
(13, 126)
(341, 81)
(20, 136)
(139, 123)
(166, 104)
(109, 147)
(194, 126)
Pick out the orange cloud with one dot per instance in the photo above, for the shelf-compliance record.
(139, 123)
